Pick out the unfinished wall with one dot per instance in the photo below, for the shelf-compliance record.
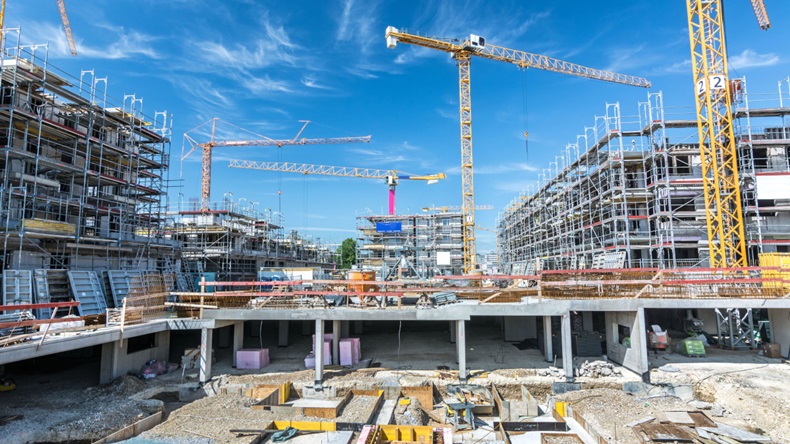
(518, 328)
(780, 329)
(116, 361)
(628, 357)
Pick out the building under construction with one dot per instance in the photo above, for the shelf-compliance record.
(629, 193)
(413, 245)
(83, 174)
(234, 241)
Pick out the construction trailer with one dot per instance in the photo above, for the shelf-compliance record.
(628, 192)
(83, 178)
(421, 245)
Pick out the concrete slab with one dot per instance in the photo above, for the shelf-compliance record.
(323, 438)
(316, 403)
(386, 412)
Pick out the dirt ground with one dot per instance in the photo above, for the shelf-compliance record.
(752, 394)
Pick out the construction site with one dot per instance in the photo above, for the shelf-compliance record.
(639, 292)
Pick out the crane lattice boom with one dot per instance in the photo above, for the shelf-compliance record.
(208, 147)
(390, 177)
(762, 14)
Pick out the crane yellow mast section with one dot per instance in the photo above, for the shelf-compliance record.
(718, 150)
(64, 18)
(462, 51)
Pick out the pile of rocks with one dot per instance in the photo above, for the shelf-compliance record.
(598, 369)
(594, 369)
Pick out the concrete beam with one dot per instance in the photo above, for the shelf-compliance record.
(548, 346)
(206, 349)
(319, 354)
(460, 335)
(282, 333)
(567, 347)
(57, 344)
(336, 342)
(238, 338)
(642, 344)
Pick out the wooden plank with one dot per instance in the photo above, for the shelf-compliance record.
(490, 297)
(701, 419)
(133, 430)
(667, 432)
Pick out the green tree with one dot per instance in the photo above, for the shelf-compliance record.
(347, 253)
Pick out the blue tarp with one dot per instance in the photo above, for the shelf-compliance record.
(389, 227)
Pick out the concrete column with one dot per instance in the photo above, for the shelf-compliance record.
(567, 347)
(282, 334)
(548, 346)
(336, 342)
(344, 329)
(238, 338)
(110, 355)
(206, 349)
(453, 328)
(319, 353)
(642, 344)
(460, 336)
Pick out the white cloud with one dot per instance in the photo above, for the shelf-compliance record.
(127, 44)
(356, 25)
(312, 82)
(751, 59)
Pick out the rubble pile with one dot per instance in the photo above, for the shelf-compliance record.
(594, 369)
(598, 369)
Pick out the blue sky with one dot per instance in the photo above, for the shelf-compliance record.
(266, 65)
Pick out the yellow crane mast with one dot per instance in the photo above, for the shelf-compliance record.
(462, 51)
(64, 18)
(207, 147)
(390, 177)
(718, 149)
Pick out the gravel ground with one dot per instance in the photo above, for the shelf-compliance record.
(609, 410)
(76, 410)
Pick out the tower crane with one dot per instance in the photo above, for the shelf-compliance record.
(718, 150)
(390, 177)
(462, 51)
(207, 148)
(63, 18)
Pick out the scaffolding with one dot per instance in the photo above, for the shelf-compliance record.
(234, 241)
(421, 245)
(83, 174)
(628, 192)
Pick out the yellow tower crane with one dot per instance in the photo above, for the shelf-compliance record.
(390, 177)
(207, 147)
(718, 150)
(462, 51)
(63, 18)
